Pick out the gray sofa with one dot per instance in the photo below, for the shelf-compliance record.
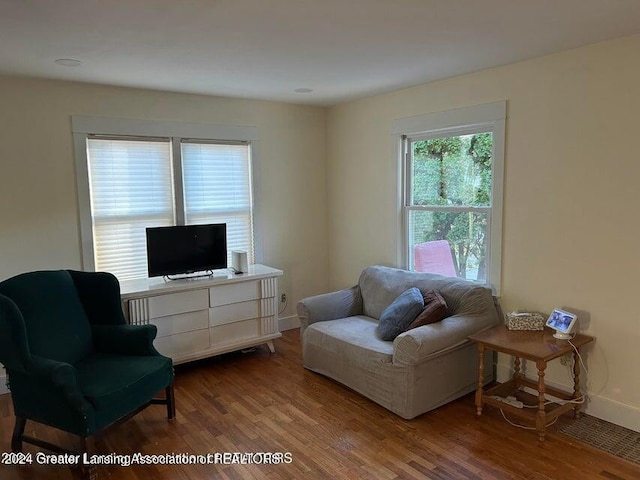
(422, 368)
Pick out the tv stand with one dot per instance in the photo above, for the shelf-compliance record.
(202, 317)
(188, 276)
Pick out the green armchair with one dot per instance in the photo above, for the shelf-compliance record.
(72, 360)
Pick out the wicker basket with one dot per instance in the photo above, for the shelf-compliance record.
(525, 321)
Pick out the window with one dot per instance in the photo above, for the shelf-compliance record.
(127, 183)
(451, 211)
(131, 189)
(217, 189)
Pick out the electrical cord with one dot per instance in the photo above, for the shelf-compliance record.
(286, 302)
(579, 356)
(604, 363)
(579, 400)
(524, 426)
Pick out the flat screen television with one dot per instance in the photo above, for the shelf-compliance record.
(186, 249)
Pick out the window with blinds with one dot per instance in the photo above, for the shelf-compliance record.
(132, 186)
(217, 189)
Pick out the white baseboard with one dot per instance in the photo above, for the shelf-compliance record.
(3, 384)
(614, 412)
(288, 323)
(604, 408)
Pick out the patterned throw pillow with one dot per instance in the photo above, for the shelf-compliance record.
(402, 311)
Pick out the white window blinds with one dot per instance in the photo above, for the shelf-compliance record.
(217, 189)
(131, 188)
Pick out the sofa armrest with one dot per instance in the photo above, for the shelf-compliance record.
(428, 341)
(329, 306)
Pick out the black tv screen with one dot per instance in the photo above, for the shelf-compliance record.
(186, 249)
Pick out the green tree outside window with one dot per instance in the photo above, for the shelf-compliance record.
(454, 172)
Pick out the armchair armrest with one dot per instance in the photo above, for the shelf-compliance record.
(50, 375)
(58, 374)
(136, 340)
(329, 306)
(428, 341)
(53, 375)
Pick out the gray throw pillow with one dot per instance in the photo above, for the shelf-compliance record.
(399, 315)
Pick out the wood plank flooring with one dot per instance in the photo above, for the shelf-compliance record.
(258, 402)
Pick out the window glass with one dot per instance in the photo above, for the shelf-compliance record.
(452, 170)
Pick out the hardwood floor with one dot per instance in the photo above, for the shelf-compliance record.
(261, 402)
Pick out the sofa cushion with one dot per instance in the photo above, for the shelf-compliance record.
(435, 309)
(380, 286)
(351, 339)
(398, 316)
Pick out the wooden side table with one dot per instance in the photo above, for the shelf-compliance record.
(539, 347)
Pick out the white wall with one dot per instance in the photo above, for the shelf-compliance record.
(39, 226)
(572, 176)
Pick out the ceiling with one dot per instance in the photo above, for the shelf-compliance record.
(266, 49)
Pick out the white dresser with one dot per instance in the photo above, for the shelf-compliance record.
(201, 317)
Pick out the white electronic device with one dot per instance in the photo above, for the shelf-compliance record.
(239, 263)
(564, 323)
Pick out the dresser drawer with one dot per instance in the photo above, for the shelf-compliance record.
(183, 343)
(233, 313)
(181, 323)
(233, 293)
(182, 302)
(234, 332)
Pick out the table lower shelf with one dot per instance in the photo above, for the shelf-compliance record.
(530, 409)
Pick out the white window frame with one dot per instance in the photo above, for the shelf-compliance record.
(490, 117)
(82, 126)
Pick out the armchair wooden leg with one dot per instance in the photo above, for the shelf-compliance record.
(18, 431)
(171, 402)
(87, 472)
